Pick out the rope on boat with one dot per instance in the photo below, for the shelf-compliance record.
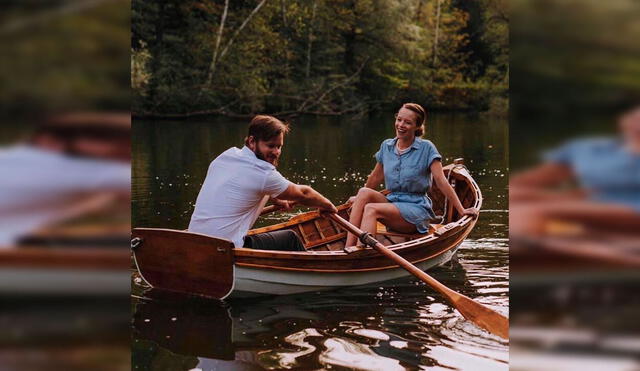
(446, 200)
(444, 207)
(135, 243)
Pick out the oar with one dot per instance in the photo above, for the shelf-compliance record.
(475, 312)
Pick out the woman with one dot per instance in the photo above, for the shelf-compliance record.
(406, 163)
(607, 171)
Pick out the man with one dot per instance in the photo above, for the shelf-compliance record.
(71, 166)
(239, 183)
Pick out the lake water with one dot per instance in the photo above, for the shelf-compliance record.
(400, 324)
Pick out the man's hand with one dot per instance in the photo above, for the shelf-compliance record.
(284, 205)
(328, 207)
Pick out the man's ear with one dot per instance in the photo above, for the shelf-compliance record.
(251, 142)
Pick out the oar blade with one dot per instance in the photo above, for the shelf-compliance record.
(483, 316)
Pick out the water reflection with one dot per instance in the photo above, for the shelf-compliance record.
(401, 325)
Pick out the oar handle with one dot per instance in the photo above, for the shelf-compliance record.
(271, 208)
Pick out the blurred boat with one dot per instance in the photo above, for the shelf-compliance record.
(87, 255)
(573, 250)
(198, 264)
(83, 249)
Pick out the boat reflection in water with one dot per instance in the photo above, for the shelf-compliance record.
(401, 326)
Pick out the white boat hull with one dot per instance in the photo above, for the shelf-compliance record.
(255, 281)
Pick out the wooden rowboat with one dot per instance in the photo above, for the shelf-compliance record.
(203, 265)
(570, 251)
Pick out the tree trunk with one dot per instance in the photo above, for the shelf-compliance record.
(437, 34)
(310, 39)
(235, 34)
(418, 12)
(214, 59)
(284, 14)
(217, 57)
(155, 49)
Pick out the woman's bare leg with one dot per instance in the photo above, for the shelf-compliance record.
(365, 196)
(388, 214)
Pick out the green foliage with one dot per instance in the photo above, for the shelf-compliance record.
(55, 58)
(575, 57)
(316, 56)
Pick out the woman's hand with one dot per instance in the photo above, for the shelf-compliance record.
(351, 199)
(472, 211)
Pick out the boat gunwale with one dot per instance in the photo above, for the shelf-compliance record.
(370, 254)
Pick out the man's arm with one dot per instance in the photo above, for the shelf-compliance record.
(307, 196)
(282, 204)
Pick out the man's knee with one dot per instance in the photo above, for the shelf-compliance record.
(291, 240)
(284, 240)
(289, 235)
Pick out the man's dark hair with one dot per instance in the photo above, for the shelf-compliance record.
(265, 128)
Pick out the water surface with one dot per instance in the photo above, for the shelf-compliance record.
(400, 324)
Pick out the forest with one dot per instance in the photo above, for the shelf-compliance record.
(325, 57)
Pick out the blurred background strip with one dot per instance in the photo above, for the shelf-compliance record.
(575, 185)
(65, 184)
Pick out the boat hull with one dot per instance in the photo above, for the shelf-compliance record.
(256, 281)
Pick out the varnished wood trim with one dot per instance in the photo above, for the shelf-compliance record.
(315, 222)
(303, 235)
(334, 238)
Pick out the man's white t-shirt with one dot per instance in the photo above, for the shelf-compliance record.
(236, 188)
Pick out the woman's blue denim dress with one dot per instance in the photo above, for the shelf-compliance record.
(603, 167)
(408, 177)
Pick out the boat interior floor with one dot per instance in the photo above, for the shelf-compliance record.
(387, 237)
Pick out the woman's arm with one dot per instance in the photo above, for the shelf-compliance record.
(444, 186)
(376, 177)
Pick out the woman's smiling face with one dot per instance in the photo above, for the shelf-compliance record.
(406, 124)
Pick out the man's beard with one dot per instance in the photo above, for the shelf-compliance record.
(262, 157)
